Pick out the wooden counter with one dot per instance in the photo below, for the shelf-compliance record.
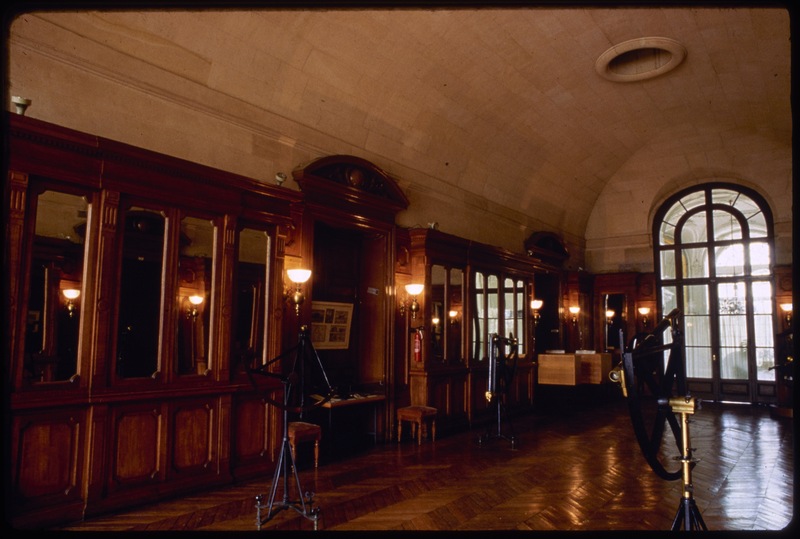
(574, 369)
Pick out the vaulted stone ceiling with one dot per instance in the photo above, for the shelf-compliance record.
(507, 105)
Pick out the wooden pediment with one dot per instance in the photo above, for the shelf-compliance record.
(547, 247)
(349, 181)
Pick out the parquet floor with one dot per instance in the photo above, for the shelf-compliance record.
(576, 467)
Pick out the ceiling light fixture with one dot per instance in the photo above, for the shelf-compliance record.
(640, 59)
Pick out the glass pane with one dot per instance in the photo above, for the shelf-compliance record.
(731, 298)
(765, 350)
(726, 226)
(698, 362)
(56, 286)
(693, 200)
(760, 259)
(493, 304)
(478, 337)
(508, 307)
(764, 332)
(195, 267)
(667, 234)
(455, 308)
(694, 229)
(695, 299)
(668, 264)
(673, 214)
(725, 196)
(746, 205)
(697, 331)
(140, 293)
(733, 346)
(729, 260)
(251, 297)
(757, 225)
(732, 330)
(438, 278)
(669, 298)
(695, 263)
(762, 298)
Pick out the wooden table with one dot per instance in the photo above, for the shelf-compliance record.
(338, 403)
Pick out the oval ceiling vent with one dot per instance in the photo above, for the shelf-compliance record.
(640, 59)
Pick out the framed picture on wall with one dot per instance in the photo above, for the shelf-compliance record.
(330, 325)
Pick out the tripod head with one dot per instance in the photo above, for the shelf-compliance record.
(305, 365)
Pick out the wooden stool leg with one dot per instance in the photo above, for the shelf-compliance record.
(316, 453)
(418, 432)
(293, 451)
(399, 430)
(433, 430)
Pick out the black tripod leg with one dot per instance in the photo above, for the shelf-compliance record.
(689, 516)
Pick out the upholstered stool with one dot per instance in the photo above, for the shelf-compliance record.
(300, 431)
(418, 416)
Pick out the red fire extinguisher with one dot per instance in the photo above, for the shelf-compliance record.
(418, 345)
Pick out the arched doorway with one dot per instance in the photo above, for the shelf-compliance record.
(713, 261)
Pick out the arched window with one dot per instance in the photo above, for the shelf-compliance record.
(713, 261)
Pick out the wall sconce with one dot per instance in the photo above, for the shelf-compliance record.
(574, 310)
(412, 290)
(72, 294)
(194, 300)
(298, 277)
(644, 311)
(453, 316)
(536, 304)
(610, 316)
(785, 307)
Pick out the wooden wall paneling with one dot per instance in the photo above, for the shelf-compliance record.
(194, 429)
(105, 279)
(97, 455)
(16, 194)
(478, 411)
(138, 448)
(253, 443)
(47, 468)
(43, 149)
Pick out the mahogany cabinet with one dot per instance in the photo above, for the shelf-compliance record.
(140, 289)
(472, 291)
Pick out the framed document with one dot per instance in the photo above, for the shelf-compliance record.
(330, 324)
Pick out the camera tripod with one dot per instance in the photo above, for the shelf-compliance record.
(501, 373)
(643, 365)
(294, 403)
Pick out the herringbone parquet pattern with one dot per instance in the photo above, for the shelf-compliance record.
(576, 467)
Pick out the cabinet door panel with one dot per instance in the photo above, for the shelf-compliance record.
(193, 434)
(137, 446)
(46, 467)
(251, 438)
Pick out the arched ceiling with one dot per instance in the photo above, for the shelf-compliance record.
(503, 103)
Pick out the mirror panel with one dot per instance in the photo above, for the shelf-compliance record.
(455, 315)
(140, 293)
(439, 318)
(251, 291)
(196, 277)
(616, 322)
(56, 287)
